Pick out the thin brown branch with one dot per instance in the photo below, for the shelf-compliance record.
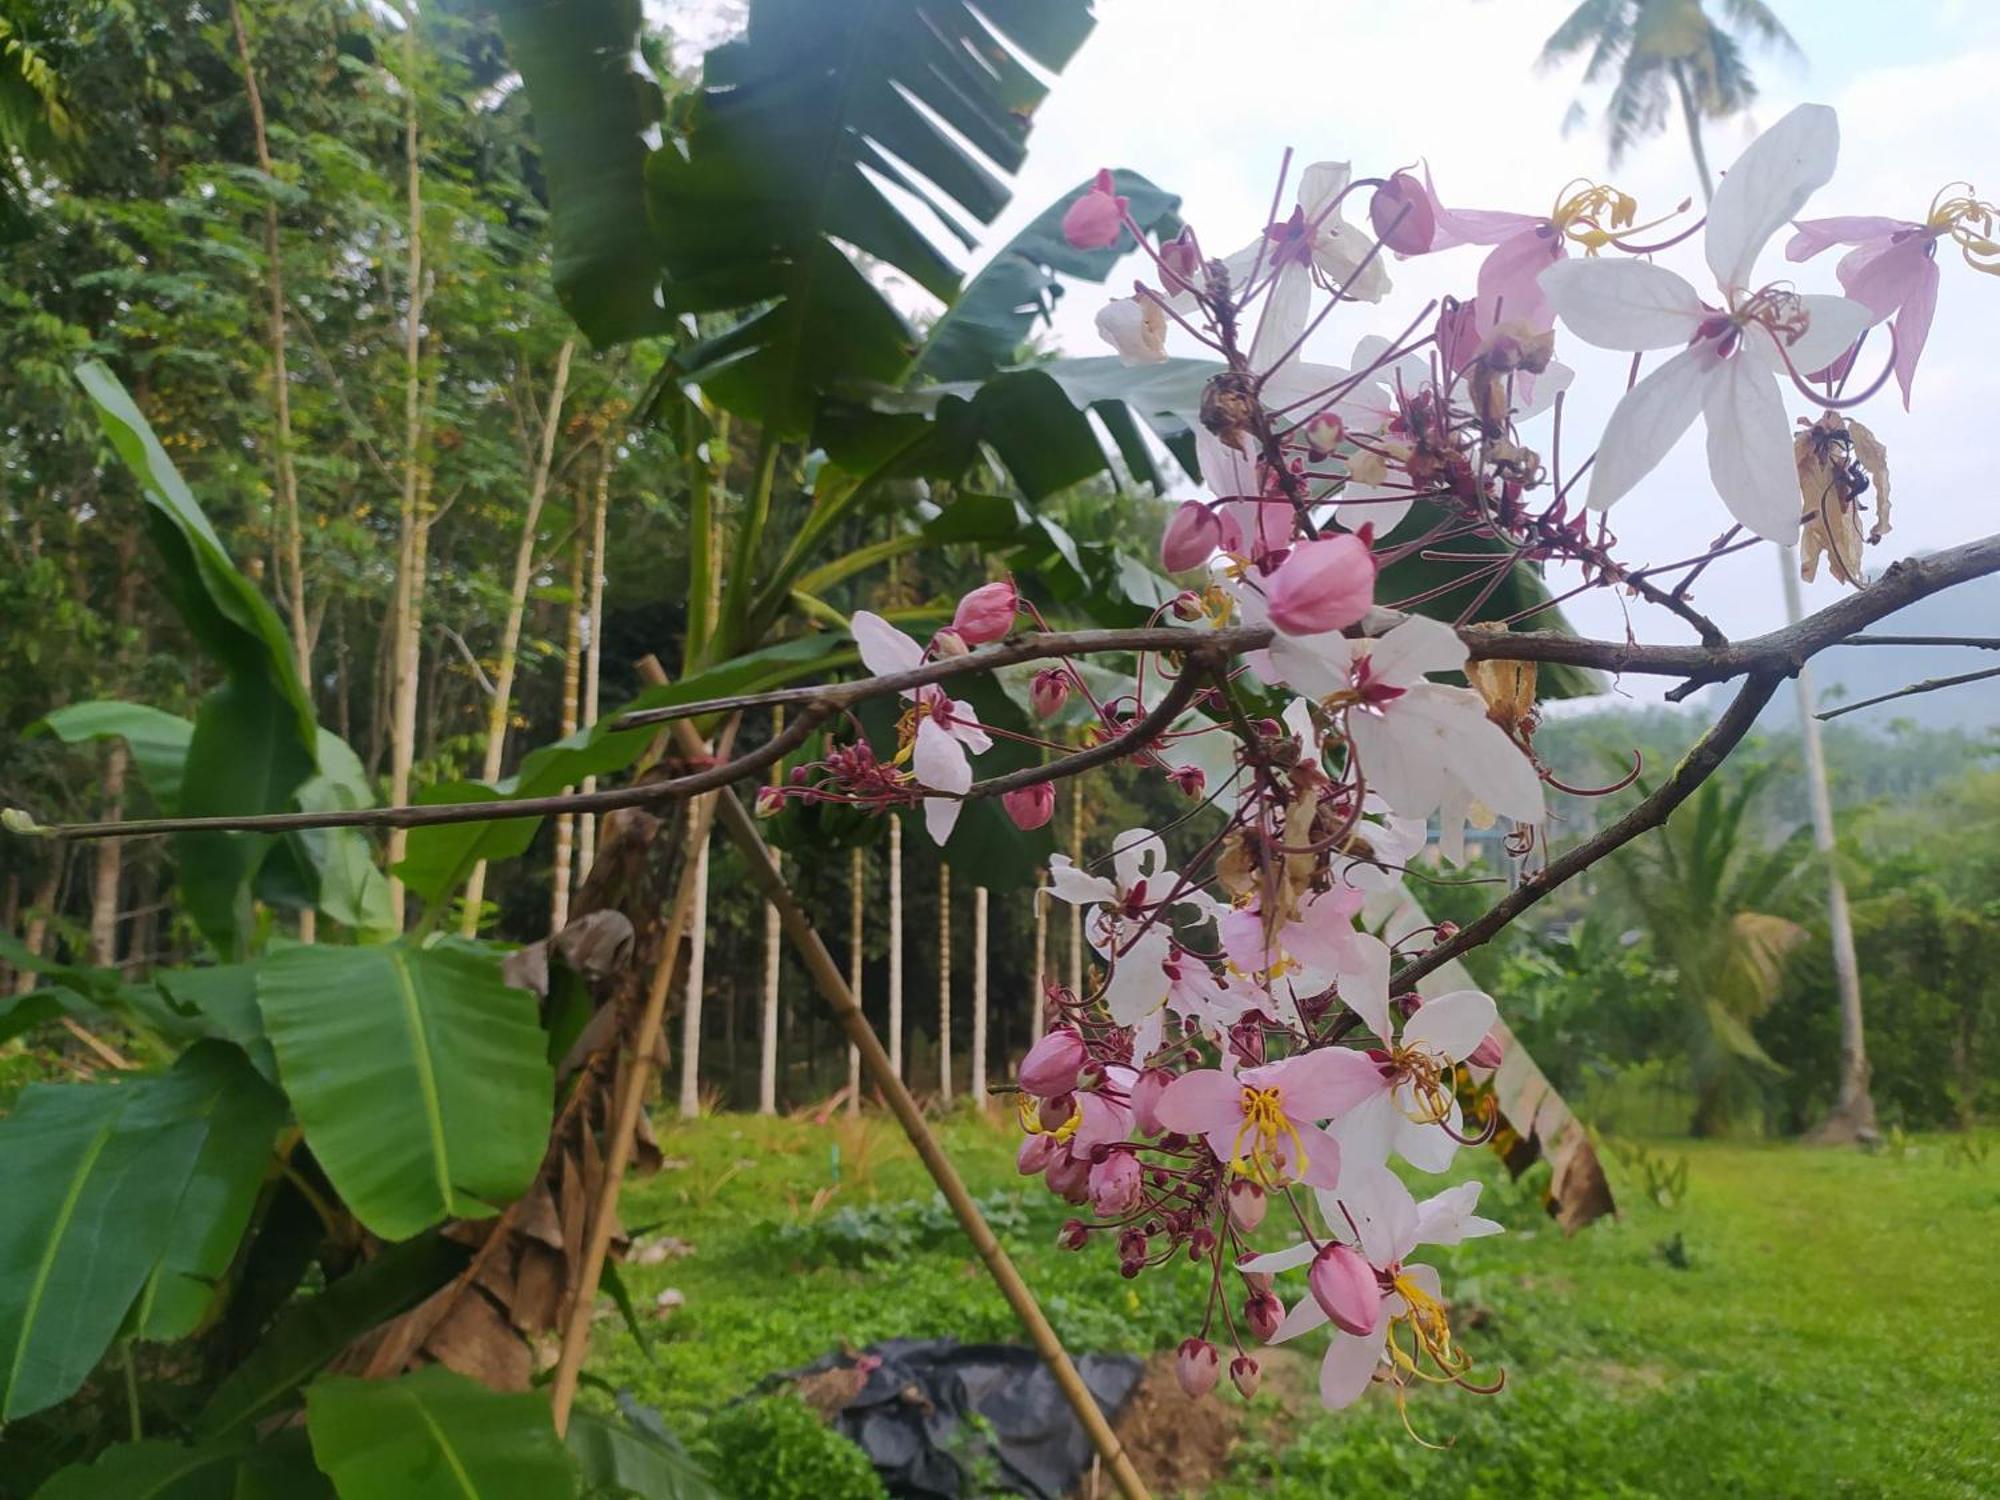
(1976, 642)
(1696, 767)
(1928, 685)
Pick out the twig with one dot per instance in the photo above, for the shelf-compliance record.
(1976, 642)
(1696, 767)
(1928, 685)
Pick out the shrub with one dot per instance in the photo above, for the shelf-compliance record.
(776, 1449)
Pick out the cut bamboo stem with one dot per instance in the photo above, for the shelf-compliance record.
(979, 996)
(944, 982)
(1076, 911)
(690, 1102)
(896, 945)
(826, 977)
(1038, 1001)
(767, 1026)
(856, 932)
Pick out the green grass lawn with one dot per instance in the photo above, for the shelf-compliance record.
(1807, 1323)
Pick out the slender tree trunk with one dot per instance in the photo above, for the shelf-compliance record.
(593, 656)
(696, 977)
(979, 996)
(10, 916)
(944, 981)
(110, 856)
(896, 945)
(40, 904)
(857, 887)
(413, 540)
(1691, 117)
(1038, 1001)
(767, 1036)
(565, 831)
(502, 702)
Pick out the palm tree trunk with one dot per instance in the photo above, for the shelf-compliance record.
(1853, 1115)
(857, 883)
(593, 656)
(502, 702)
(896, 945)
(979, 996)
(406, 613)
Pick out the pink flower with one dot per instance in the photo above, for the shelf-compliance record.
(1050, 1069)
(1343, 1284)
(1263, 1122)
(1324, 585)
(1892, 271)
(1095, 220)
(1036, 1152)
(946, 727)
(1197, 1367)
(1115, 1185)
(1049, 691)
(1194, 535)
(1403, 216)
(987, 613)
(1030, 806)
(1489, 1053)
(1145, 1099)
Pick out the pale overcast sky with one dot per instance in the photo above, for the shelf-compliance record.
(1203, 98)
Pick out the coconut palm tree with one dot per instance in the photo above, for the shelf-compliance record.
(1659, 52)
(1706, 894)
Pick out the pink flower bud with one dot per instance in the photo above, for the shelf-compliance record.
(1263, 1312)
(1030, 806)
(1324, 585)
(1246, 1204)
(1487, 1054)
(1093, 222)
(1180, 258)
(1188, 606)
(1193, 536)
(1343, 1284)
(1190, 780)
(948, 642)
(1403, 217)
(1247, 1375)
(1145, 1099)
(1115, 1185)
(1074, 1235)
(1323, 432)
(1050, 1068)
(1197, 1367)
(1069, 1178)
(770, 801)
(1049, 691)
(987, 613)
(1036, 1152)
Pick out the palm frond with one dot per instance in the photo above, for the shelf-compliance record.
(1594, 24)
(1757, 20)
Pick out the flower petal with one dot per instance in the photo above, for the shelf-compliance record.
(1303, 1316)
(1767, 187)
(1453, 1024)
(1415, 647)
(1623, 304)
(1364, 989)
(1288, 1259)
(1815, 235)
(1911, 327)
(1207, 1101)
(1750, 457)
(1349, 1364)
(884, 648)
(1323, 1084)
(1068, 883)
(1648, 420)
(1286, 307)
(1835, 323)
(939, 759)
(940, 817)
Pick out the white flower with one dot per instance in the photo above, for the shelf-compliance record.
(945, 727)
(1731, 356)
(1136, 327)
(1288, 253)
(1419, 743)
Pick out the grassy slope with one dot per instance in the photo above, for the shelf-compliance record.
(1828, 1334)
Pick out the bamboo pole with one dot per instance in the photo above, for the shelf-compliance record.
(856, 931)
(1076, 911)
(572, 689)
(944, 981)
(631, 1099)
(826, 977)
(767, 1025)
(690, 1102)
(1038, 1005)
(896, 945)
(593, 655)
(979, 996)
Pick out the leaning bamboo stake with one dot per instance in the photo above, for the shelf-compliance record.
(742, 831)
(896, 945)
(502, 701)
(857, 883)
(944, 981)
(631, 1099)
(979, 996)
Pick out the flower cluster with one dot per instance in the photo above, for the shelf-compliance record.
(1243, 1059)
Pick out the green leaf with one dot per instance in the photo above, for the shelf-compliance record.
(19, 1013)
(352, 888)
(223, 998)
(279, 1468)
(434, 1432)
(417, 1074)
(591, 110)
(624, 1458)
(773, 178)
(309, 1333)
(90, 1185)
(240, 1115)
(158, 741)
(985, 328)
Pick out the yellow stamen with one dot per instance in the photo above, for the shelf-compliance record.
(1267, 1127)
(1969, 222)
(1597, 213)
(1431, 1079)
(1030, 1111)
